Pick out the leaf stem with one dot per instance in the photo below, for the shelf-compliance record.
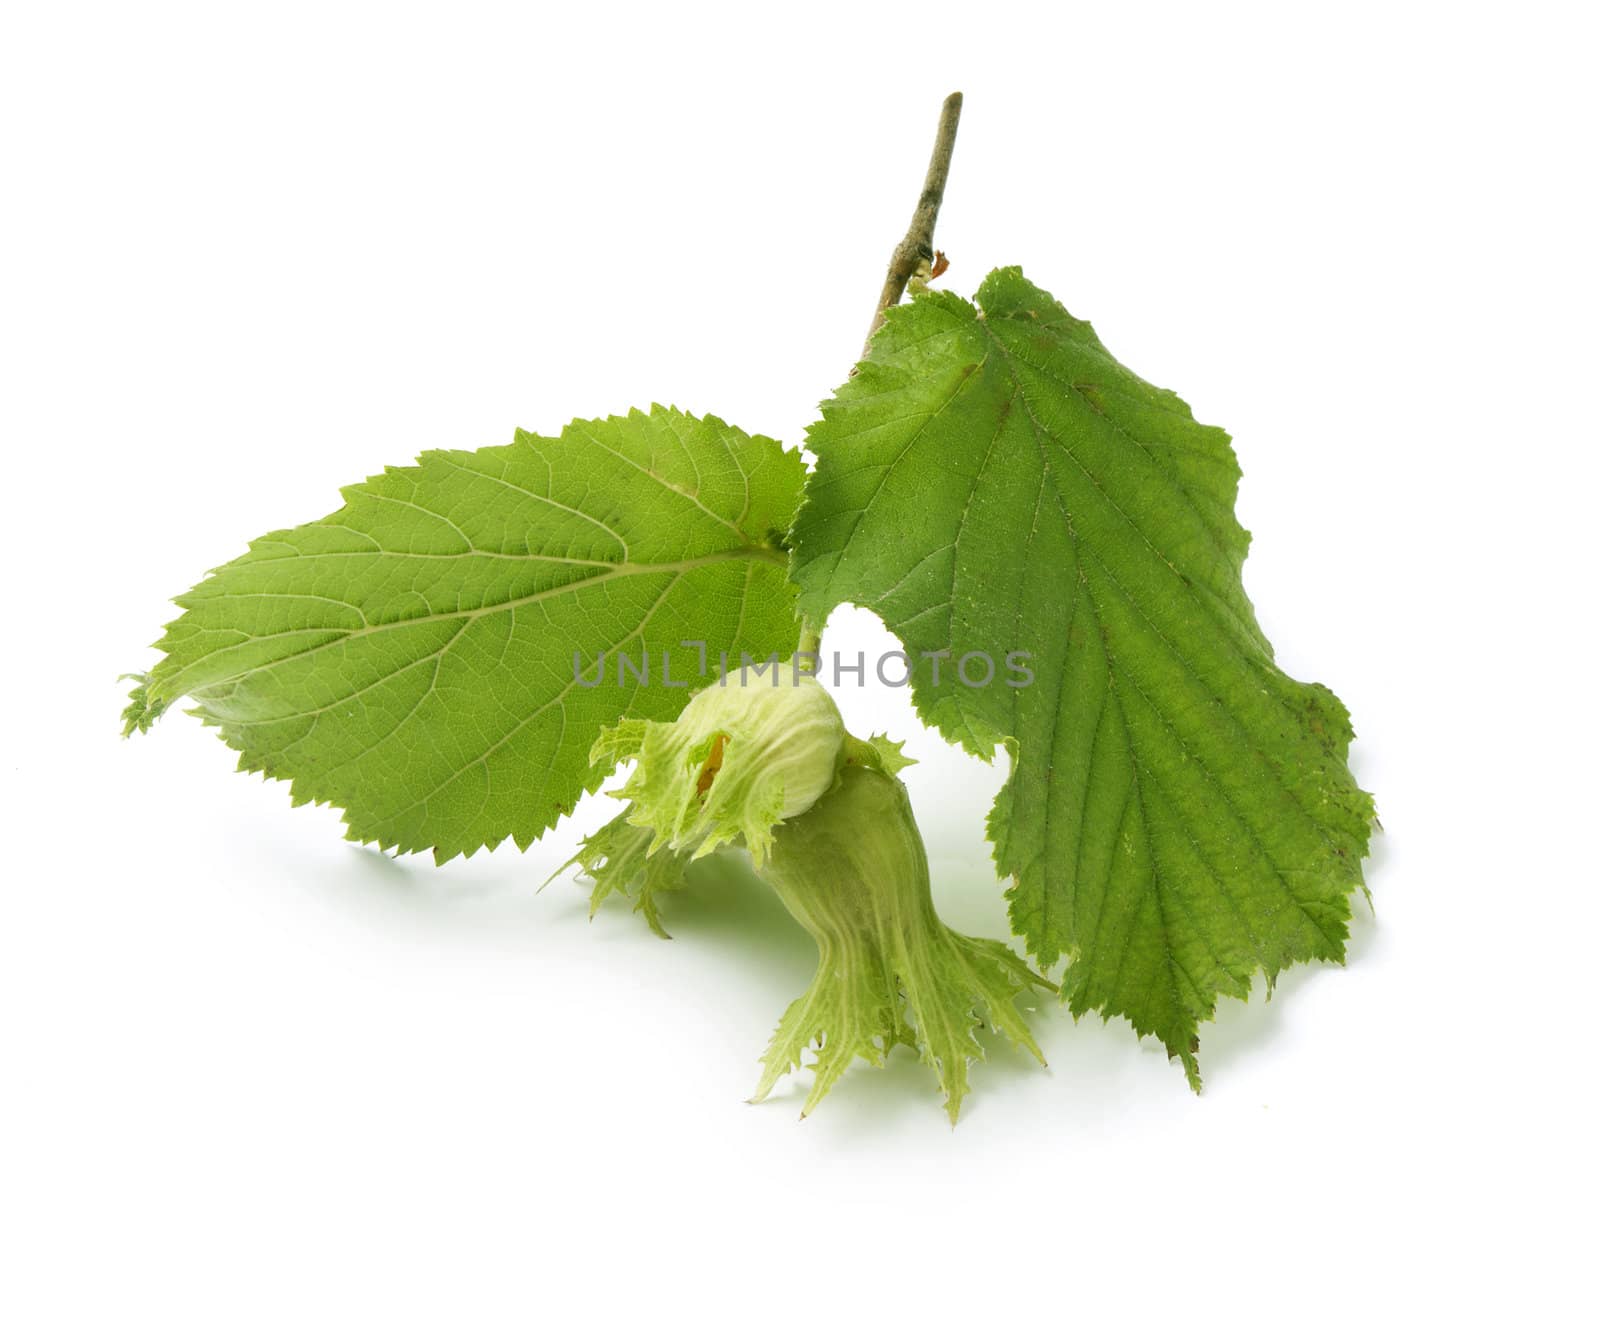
(810, 644)
(917, 247)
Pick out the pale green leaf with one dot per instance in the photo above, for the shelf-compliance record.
(411, 658)
(1180, 814)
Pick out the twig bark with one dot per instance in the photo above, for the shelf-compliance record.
(909, 255)
(917, 247)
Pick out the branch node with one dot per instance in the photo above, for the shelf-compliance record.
(917, 247)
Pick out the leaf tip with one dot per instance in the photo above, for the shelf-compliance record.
(142, 710)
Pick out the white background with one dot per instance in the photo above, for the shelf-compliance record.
(251, 1074)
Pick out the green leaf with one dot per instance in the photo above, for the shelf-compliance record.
(411, 658)
(1180, 815)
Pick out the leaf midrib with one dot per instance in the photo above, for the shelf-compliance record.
(174, 687)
